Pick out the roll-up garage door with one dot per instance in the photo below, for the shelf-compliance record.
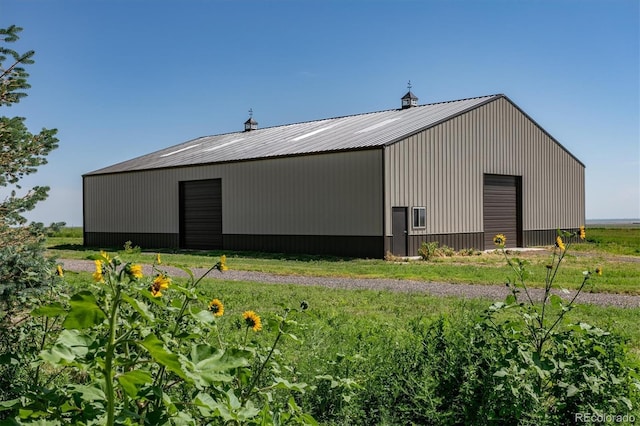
(502, 208)
(201, 214)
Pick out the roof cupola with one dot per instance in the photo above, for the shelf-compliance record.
(250, 124)
(409, 100)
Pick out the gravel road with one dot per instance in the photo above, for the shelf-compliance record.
(493, 292)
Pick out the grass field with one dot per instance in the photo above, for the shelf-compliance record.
(611, 249)
(360, 335)
(615, 250)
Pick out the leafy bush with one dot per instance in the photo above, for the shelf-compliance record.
(519, 363)
(550, 371)
(150, 351)
(23, 267)
(482, 371)
(428, 250)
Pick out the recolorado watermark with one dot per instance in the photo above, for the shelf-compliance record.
(604, 418)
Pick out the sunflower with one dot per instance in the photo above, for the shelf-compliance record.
(97, 275)
(560, 244)
(158, 260)
(222, 265)
(599, 271)
(252, 320)
(216, 308)
(105, 255)
(160, 282)
(134, 270)
(582, 234)
(500, 240)
(59, 271)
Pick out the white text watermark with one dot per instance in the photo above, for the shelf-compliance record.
(603, 418)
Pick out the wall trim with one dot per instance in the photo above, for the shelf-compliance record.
(373, 247)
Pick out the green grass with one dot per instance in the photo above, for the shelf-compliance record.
(350, 333)
(611, 249)
(622, 240)
(69, 232)
(338, 319)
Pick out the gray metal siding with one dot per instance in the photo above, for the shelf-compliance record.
(324, 194)
(442, 169)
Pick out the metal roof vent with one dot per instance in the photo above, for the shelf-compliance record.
(409, 100)
(250, 124)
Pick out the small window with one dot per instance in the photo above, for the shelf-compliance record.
(419, 217)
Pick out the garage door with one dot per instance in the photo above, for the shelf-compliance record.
(201, 214)
(502, 208)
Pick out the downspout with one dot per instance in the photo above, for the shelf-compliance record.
(84, 208)
(384, 201)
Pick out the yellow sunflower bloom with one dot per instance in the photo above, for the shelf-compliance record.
(105, 255)
(216, 308)
(222, 265)
(252, 320)
(560, 244)
(160, 282)
(599, 271)
(582, 233)
(500, 240)
(59, 271)
(97, 275)
(134, 271)
(158, 260)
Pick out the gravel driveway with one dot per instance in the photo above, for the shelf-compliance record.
(493, 292)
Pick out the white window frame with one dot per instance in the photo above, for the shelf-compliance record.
(417, 210)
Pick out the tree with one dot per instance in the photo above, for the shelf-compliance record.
(22, 261)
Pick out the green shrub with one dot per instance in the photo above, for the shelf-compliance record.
(428, 250)
(552, 369)
(149, 351)
(519, 363)
(23, 267)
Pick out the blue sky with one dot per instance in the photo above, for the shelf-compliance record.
(122, 78)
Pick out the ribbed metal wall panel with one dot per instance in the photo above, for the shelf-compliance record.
(324, 194)
(442, 169)
(201, 214)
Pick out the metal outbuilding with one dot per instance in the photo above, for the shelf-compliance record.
(364, 185)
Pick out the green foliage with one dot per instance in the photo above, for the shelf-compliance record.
(366, 357)
(21, 153)
(23, 267)
(129, 248)
(554, 372)
(519, 362)
(428, 249)
(23, 336)
(149, 351)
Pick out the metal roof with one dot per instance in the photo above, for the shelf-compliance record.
(353, 132)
